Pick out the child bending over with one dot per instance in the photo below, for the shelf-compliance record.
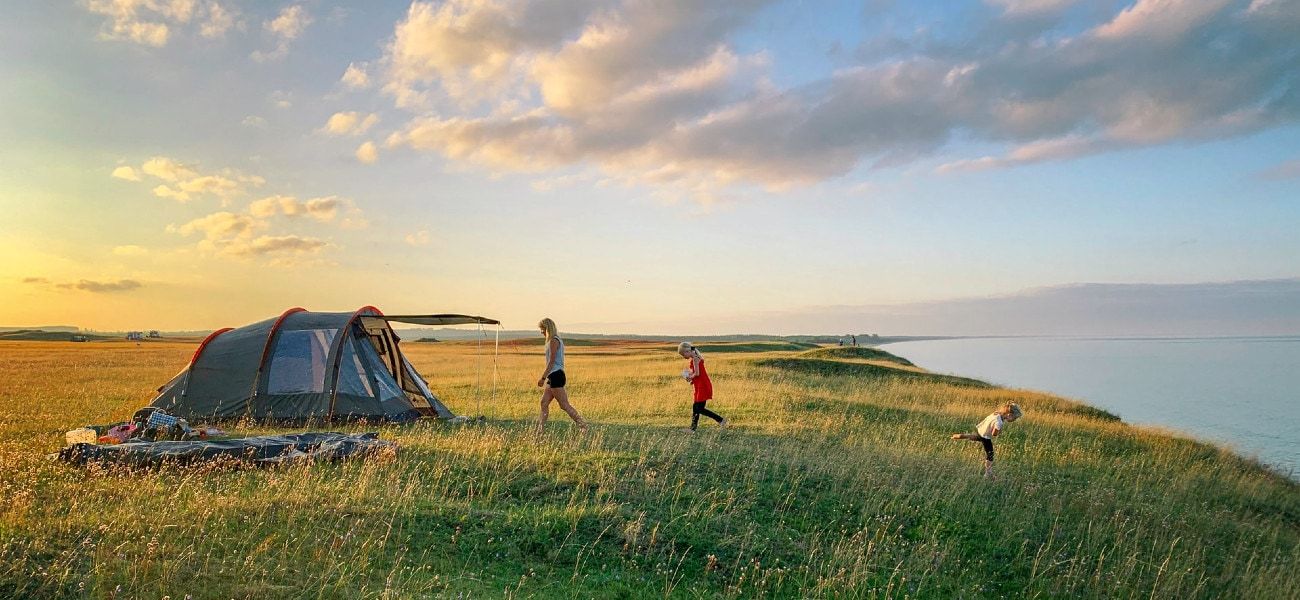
(990, 428)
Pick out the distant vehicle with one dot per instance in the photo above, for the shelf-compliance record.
(80, 338)
(135, 335)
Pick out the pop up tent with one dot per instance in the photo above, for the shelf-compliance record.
(307, 366)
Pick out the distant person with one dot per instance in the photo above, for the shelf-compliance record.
(698, 377)
(990, 428)
(553, 379)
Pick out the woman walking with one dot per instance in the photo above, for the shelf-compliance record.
(553, 379)
(699, 379)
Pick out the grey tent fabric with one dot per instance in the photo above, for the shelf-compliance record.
(262, 450)
(302, 367)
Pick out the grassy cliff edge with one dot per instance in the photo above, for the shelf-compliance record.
(837, 480)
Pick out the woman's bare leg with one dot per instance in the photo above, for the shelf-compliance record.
(562, 395)
(546, 408)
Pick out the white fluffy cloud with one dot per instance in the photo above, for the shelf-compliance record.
(284, 247)
(367, 153)
(419, 238)
(350, 123)
(126, 172)
(239, 236)
(659, 92)
(321, 209)
(166, 168)
(183, 182)
(286, 27)
(152, 22)
(356, 77)
(253, 232)
(222, 225)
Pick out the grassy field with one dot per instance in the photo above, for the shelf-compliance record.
(836, 480)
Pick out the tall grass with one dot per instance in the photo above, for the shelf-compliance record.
(837, 480)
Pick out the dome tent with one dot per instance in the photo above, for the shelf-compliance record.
(307, 366)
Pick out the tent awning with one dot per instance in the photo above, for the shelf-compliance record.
(441, 319)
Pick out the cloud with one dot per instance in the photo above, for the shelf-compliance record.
(290, 23)
(281, 99)
(126, 172)
(321, 209)
(217, 185)
(185, 182)
(220, 226)
(152, 22)
(102, 287)
(236, 236)
(472, 49)
(1285, 170)
(1019, 8)
(355, 77)
(220, 20)
(87, 285)
(660, 93)
(284, 248)
(129, 250)
(247, 236)
(253, 121)
(247, 233)
(284, 29)
(367, 153)
(166, 168)
(349, 123)
(419, 238)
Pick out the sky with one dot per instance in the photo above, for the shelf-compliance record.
(656, 166)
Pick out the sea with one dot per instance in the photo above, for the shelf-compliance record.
(1240, 392)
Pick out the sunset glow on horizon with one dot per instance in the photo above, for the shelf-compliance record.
(644, 166)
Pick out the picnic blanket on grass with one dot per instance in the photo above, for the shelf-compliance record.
(262, 450)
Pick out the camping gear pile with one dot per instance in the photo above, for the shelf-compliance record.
(149, 424)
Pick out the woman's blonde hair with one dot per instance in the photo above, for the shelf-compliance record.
(1012, 409)
(548, 326)
(684, 346)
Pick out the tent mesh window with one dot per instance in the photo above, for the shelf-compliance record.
(353, 377)
(299, 360)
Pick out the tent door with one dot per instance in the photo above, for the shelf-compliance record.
(381, 337)
(385, 343)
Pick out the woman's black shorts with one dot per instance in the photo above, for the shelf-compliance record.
(556, 379)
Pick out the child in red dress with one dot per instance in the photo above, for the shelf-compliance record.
(699, 379)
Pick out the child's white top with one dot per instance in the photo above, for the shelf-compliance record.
(986, 427)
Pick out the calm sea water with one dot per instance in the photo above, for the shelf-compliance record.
(1240, 392)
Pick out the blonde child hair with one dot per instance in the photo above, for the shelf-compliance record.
(1013, 409)
(549, 327)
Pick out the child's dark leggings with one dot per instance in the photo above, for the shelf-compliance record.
(698, 409)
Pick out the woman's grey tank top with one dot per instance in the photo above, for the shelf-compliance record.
(559, 356)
